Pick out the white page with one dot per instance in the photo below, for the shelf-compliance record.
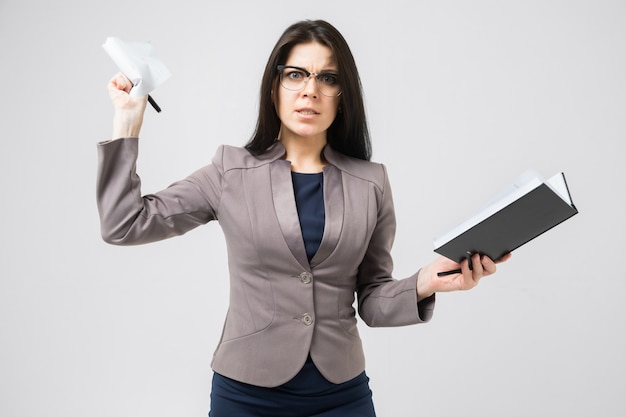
(558, 185)
(138, 62)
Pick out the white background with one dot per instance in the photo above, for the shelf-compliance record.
(461, 96)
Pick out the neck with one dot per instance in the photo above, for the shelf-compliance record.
(305, 154)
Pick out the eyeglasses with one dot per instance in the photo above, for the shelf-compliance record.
(295, 79)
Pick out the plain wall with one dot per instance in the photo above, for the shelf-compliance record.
(461, 97)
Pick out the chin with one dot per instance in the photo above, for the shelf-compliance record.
(308, 133)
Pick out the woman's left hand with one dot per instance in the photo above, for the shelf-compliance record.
(429, 282)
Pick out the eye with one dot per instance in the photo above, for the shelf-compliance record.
(294, 74)
(328, 78)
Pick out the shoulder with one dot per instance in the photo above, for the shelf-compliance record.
(373, 172)
(235, 157)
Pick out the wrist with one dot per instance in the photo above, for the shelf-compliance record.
(423, 285)
(126, 124)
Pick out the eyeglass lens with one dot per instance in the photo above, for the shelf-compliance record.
(295, 79)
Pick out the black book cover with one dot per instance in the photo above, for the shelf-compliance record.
(519, 222)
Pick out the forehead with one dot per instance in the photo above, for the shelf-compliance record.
(312, 56)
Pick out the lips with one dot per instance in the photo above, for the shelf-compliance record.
(307, 112)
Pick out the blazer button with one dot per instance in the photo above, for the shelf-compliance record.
(307, 319)
(306, 277)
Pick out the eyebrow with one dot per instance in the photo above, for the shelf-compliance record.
(334, 71)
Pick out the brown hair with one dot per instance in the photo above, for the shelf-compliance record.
(348, 133)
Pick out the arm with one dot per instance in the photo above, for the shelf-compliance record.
(383, 300)
(127, 218)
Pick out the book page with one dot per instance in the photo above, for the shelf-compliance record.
(138, 62)
(559, 186)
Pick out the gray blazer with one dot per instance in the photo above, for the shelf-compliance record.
(282, 308)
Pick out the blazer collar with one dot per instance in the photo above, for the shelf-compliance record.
(278, 151)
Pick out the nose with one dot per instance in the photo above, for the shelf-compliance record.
(310, 86)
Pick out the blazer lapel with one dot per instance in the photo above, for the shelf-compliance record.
(286, 211)
(334, 208)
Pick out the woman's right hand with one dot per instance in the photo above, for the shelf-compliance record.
(129, 111)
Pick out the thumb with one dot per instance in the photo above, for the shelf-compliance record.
(119, 86)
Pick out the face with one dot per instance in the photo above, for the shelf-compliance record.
(307, 113)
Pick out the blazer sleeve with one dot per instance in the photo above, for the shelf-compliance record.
(384, 301)
(128, 218)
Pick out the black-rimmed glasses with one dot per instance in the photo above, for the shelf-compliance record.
(295, 79)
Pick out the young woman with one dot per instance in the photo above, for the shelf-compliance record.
(308, 221)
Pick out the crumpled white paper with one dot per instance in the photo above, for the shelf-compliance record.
(138, 62)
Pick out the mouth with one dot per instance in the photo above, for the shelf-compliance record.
(307, 112)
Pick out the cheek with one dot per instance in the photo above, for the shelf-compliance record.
(336, 109)
(280, 104)
(280, 109)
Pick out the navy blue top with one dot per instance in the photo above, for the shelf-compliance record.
(309, 192)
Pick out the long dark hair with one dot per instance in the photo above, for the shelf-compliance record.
(348, 133)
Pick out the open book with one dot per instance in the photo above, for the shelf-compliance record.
(527, 209)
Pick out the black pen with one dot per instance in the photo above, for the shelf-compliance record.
(455, 271)
(451, 272)
(154, 104)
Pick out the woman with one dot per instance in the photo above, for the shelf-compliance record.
(308, 222)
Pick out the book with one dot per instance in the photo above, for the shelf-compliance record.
(522, 212)
(139, 63)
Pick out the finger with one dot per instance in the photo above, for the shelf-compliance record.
(124, 82)
(467, 279)
(504, 258)
(477, 267)
(489, 266)
(465, 267)
(120, 82)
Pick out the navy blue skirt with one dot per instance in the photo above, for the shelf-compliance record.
(308, 394)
